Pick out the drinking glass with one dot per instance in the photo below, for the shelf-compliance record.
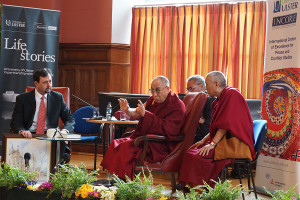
(122, 116)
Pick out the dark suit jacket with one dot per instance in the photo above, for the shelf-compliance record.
(203, 129)
(24, 110)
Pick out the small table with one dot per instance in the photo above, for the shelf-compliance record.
(111, 123)
(57, 139)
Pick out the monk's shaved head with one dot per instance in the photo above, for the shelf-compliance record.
(160, 87)
(163, 79)
(219, 77)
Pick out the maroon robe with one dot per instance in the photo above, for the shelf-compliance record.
(229, 112)
(160, 118)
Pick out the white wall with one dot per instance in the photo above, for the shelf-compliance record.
(121, 21)
(122, 14)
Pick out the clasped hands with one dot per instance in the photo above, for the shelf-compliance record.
(140, 110)
(204, 151)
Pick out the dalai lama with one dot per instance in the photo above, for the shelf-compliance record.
(231, 116)
(162, 114)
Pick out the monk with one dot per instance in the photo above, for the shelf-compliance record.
(230, 115)
(162, 114)
(196, 83)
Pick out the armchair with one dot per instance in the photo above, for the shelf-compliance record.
(194, 103)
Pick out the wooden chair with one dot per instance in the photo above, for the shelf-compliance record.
(194, 103)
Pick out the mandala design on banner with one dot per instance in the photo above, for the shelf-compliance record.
(280, 107)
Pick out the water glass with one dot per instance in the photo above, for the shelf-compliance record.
(122, 116)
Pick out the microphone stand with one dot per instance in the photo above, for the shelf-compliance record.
(57, 131)
(97, 113)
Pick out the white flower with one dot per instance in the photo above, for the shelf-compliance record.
(100, 188)
(113, 189)
(35, 187)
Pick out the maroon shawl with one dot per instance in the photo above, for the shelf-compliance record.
(231, 112)
(160, 118)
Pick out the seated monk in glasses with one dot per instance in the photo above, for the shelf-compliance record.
(162, 114)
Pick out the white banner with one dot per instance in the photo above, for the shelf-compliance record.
(279, 168)
(277, 174)
(282, 37)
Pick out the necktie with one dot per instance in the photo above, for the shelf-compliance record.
(40, 128)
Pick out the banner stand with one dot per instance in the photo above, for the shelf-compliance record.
(29, 41)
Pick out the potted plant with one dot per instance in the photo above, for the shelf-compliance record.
(222, 191)
(138, 189)
(11, 177)
(68, 179)
(283, 195)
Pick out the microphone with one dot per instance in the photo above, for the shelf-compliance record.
(63, 160)
(27, 157)
(97, 113)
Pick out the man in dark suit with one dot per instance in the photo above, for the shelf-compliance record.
(196, 83)
(38, 110)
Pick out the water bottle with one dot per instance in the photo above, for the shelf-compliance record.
(108, 111)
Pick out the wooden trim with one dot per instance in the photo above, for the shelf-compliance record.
(88, 68)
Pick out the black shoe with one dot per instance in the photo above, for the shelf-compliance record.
(179, 186)
(235, 173)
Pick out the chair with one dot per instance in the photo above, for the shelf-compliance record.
(65, 91)
(260, 129)
(82, 127)
(194, 103)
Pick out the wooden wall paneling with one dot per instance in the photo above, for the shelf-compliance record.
(91, 68)
(118, 76)
(98, 68)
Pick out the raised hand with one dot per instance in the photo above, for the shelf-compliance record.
(123, 104)
(141, 108)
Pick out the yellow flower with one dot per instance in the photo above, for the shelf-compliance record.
(163, 198)
(29, 187)
(84, 190)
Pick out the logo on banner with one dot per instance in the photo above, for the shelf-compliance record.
(277, 5)
(282, 6)
(44, 27)
(14, 23)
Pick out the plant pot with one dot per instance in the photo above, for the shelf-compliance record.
(3, 193)
(29, 195)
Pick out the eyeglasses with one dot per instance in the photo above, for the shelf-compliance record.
(190, 88)
(157, 90)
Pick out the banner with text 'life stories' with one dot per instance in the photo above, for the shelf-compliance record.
(29, 41)
(278, 168)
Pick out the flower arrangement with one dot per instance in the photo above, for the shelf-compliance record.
(84, 191)
(46, 186)
(106, 193)
(11, 176)
(74, 182)
(68, 179)
(24, 185)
